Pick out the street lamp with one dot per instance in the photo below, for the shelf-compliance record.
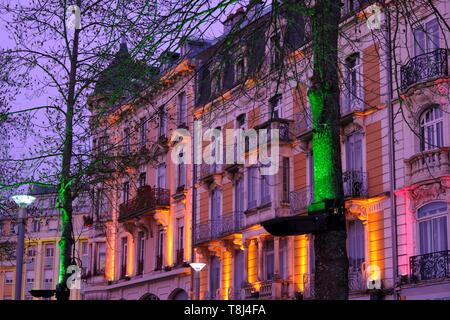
(197, 267)
(23, 201)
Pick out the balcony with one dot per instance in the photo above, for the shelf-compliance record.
(425, 67)
(300, 200)
(428, 165)
(147, 199)
(285, 129)
(267, 290)
(430, 266)
(213, 229)
(208, 171)
(355, 184)
(356, 280)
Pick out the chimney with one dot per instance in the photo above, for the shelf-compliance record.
(232, 19)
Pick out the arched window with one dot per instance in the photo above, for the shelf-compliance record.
(433, 227)
(431, 128)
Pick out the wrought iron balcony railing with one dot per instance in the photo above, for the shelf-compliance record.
(430, 266)
(301, 199)
(424, 67)
(147, 199)
(212, 229)
(355, 184)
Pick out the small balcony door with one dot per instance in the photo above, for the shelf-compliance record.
(214, 276)
(354, 152)
(238, 278)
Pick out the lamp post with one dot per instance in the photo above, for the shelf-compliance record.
(23, 201)
(197, 267)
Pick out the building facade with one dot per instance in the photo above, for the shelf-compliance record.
(395, 161)
(41, 255)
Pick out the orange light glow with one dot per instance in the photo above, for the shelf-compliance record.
(110, 254)
(131, 256)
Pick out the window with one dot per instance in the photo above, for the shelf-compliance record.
(265, 189)
(352, 84)
(160, 250)
(426, 37)
(240, 69)
(181, 183)
(36, 225)
(49, 250)
(126, 192)
(9, 277)
(354, 152)
(238, 274)
(182, 109)
(214, 276)
(269, 257)
(283, 258)
(48, 277)
(276, 107)
(143, 133)
(180, 233)
(433, 228)
(126, 141)
(286, 180)
(31, 252)
(162, 125)
(276, 53)
(124, 258)
(251, 192)
(355, 245)
(101, 257)
(432, 128)
(142, 179)
(216, 210)
(161, 177)
(141, 253)
(30, 277)
(239, 196)
(84, 256)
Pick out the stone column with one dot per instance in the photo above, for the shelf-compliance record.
(246, 244)
(276, 249)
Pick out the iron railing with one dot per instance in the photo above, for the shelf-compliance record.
(212, 229)
(147, 199)
(300, 200)
(430, 266)
(355, 184)
(424, 67)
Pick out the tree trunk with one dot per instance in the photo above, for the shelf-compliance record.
(331, 263)
(65, 189)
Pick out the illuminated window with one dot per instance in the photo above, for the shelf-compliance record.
(160, 250)
(101, 258)
(432, 128)
(276, 106)
(161, 176)
(353, 148)
(181, 171)
(265, 189)
(433, 228)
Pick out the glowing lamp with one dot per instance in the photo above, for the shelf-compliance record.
(197, 266)
(23, 200)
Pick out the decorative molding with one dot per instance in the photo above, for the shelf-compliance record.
(427, 193)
